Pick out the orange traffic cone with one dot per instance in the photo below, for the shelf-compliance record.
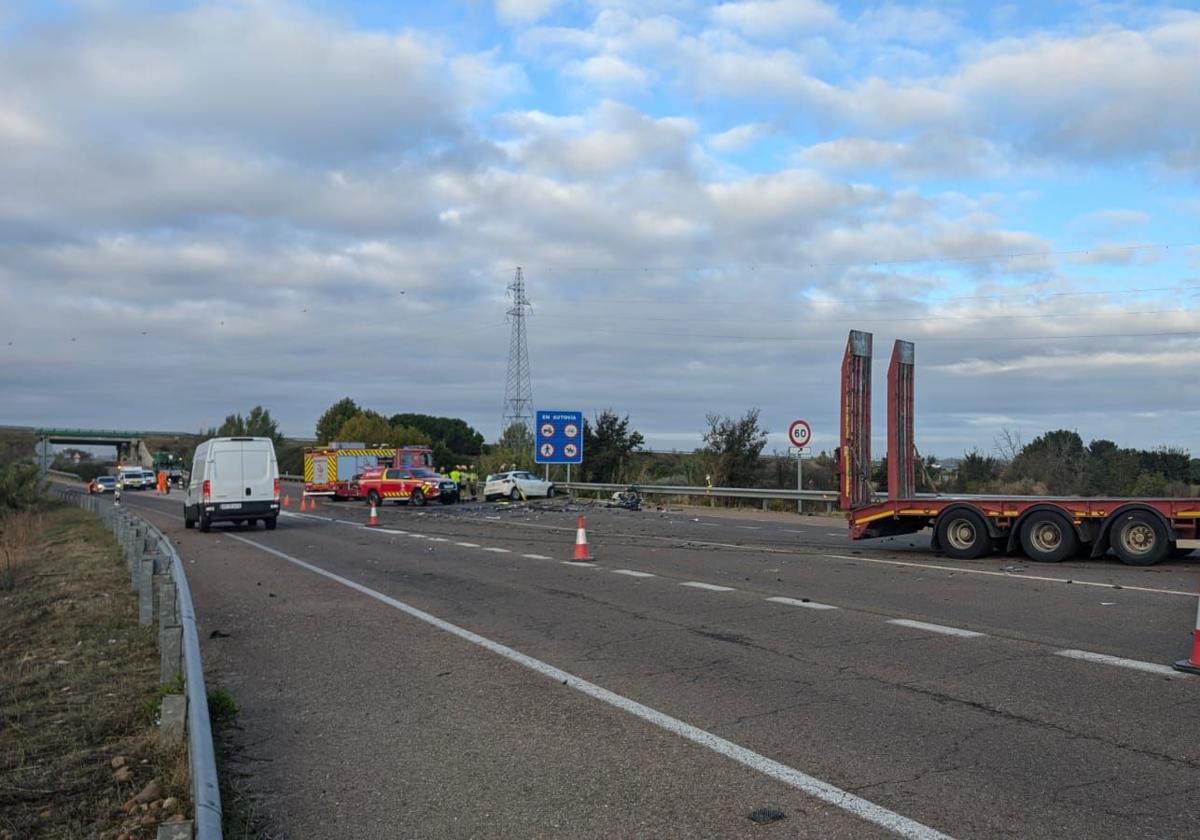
(373, 519)
(1191, 665)
(581, 546)
(313, 504)
(304, 504)
(287, 500)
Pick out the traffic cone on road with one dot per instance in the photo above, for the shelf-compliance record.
(1191, 665)
(313, 504)
(287, 500)
(373, 519)
(304, 504)
(581, 546)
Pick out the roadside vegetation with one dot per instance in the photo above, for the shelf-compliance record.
(79, 690)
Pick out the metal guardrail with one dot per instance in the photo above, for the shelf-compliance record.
(149, 552)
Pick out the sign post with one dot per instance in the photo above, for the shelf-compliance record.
(559, 439)
(799, 436)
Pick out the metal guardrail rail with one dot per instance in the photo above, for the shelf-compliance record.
(149, 552)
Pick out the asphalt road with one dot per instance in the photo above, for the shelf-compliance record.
(449, 674)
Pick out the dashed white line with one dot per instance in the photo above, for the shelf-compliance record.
(795, 602)
(935, 628)
(633, 573)
(537, 556)
(750, 527)
(1135, 664)
(495, 550)
(417, 536)
(712, 587)
(862, 808)
(579, 563)
(389, 531)
(468, 545)
(438, 539)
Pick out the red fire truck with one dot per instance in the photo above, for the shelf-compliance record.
(1140, 532)
(331, 470)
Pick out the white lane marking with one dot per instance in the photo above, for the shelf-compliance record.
(935, 628)
(835, 533)
(1009, 575)
(468, 545)
(632, 573)
(713, 524)
(794, 530)
(498, 550)
(536, 556)
(579, 563)
(712, 587)
(438, 539)
(750, 527)
(1135, 664)
(389, 531)
(417, 536)
(790, 776)
(794, 602)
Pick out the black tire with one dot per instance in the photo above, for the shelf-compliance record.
(1139, 538)
(489, 497)
(373, 498)
(515, 494)
(1177, 552)
(270, 522)
(205, 523)
(963, 535)
(417, 498)
(1047, 537)
(188, 521)
(550, 492)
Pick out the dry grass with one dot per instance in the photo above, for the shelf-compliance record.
(78, 684)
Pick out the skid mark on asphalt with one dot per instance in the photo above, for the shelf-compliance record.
(797, 779)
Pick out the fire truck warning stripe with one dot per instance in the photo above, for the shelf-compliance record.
(796, 779)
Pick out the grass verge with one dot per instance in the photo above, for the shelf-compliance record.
(79, 688)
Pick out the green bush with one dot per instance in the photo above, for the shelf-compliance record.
(19, 485)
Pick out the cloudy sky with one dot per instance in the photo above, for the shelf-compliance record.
(209, 206)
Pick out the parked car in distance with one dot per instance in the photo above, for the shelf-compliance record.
(131, 478)
(106, 484)
(515, 483)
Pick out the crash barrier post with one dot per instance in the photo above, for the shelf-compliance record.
(147, 551)
(1191, 665)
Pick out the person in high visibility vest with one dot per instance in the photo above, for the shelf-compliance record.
(456, 477)
(472, 481)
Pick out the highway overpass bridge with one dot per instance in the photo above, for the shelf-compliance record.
(131, 447)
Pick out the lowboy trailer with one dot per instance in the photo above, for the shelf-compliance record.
(1046, 529)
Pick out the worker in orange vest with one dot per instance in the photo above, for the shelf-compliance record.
(162, 482)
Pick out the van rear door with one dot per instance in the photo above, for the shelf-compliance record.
(258, 469)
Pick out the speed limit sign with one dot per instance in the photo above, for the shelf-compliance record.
(799, 433)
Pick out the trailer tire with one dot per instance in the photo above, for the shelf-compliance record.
(1140, 539)
(963, 535)
(1047, 537)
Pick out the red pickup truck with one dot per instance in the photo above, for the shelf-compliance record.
(400, 484)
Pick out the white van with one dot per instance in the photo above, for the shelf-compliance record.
(234, 479)
(131, 478)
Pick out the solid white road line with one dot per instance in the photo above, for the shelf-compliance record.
(712, 587)
(1009, 575)
(936, 628)
(632, 573)
(812, 605)
(859, 807)
(1135, 664)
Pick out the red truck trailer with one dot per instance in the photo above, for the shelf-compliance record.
(1046, 529)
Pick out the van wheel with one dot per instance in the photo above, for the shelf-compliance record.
(1046, 537)
(270, 522)
(1139, 539)
(188, 520)
(417, 498)
(205, 523)
(963, 535)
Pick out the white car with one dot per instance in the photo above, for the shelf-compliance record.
(514, 483)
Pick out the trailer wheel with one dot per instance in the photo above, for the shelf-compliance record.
(963, 535)
(1047, 537)
(1139, 539)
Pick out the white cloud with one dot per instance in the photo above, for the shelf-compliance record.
(609, 71)
(524, 11)
(775, 18)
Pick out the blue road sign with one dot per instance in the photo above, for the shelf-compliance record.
(558, 437)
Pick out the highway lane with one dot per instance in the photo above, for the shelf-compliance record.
(991, 735)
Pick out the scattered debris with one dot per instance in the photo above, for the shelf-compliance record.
(769, 814)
